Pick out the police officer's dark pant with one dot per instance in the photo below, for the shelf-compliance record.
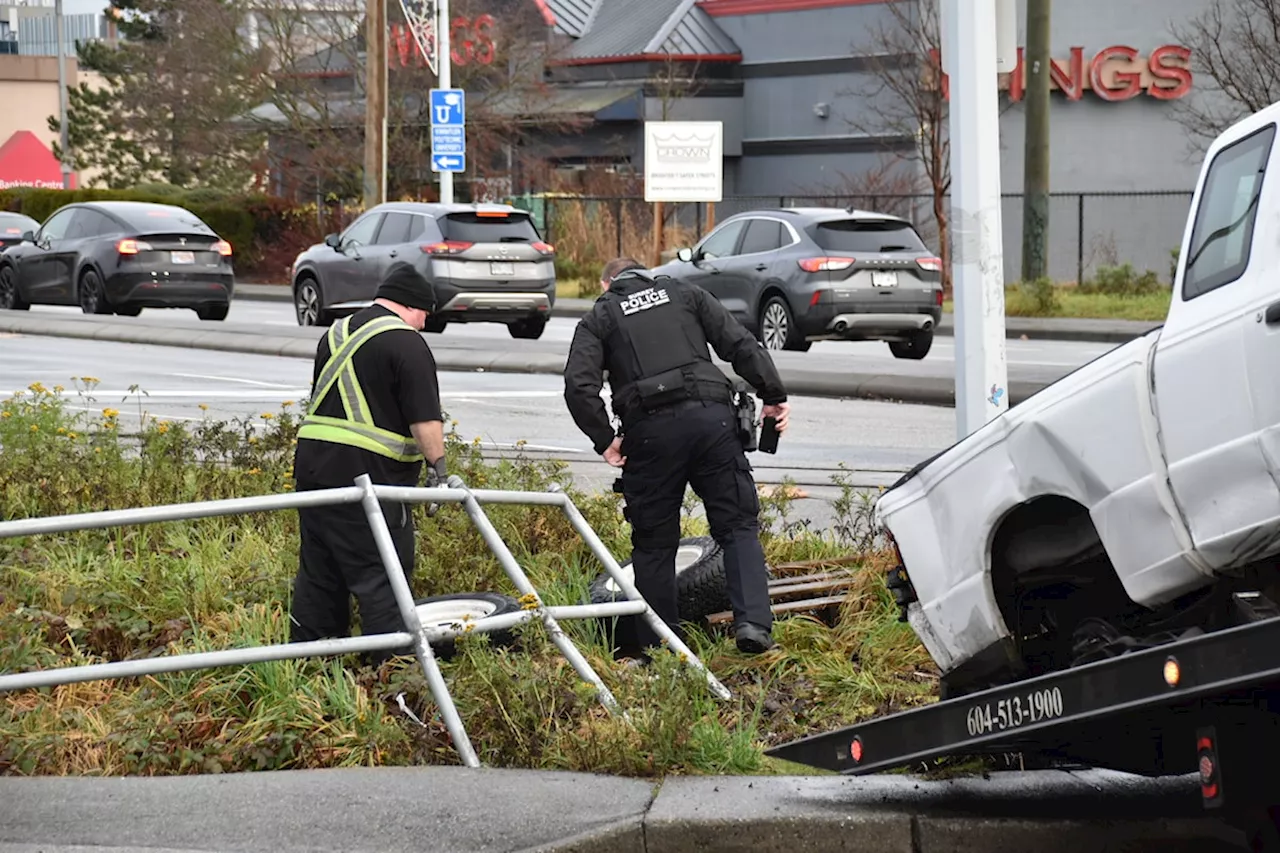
(338, 558)
(692, 443)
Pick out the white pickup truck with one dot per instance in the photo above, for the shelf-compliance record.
(1136, 499)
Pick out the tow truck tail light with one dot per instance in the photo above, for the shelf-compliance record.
(855, 750)
(826, 264)
(448, 247)
(930, 264)
(1211, 793)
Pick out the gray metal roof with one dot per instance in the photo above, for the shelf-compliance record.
(697, 34)
(572, 16)
(620, 28)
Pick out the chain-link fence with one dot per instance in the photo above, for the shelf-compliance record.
(1086, 230)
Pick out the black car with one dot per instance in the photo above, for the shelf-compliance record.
(13, 226)
(798, 275)
(487, 262)
(120, 257)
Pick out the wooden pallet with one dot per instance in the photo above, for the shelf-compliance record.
(817, 592)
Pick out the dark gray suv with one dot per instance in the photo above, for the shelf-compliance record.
(798, 275)
(487, 262)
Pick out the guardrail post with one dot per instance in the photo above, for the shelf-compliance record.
(409, 612)
(663, 630)
(526, 588)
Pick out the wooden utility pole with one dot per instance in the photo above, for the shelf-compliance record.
(1035, 185)
(375, 113)
(658, 214)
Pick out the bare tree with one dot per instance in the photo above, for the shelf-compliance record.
(1236, 44)
(891, 186)
(905, 102)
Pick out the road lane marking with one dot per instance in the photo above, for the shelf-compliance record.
(229, 379)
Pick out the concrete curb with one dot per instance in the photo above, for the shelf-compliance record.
(489, 810)
(1049, 328)
(301, 343)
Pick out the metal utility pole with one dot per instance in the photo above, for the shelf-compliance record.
(970, 40)
(1035, 184)
(63, 131)
(375, 106)
(444, 80)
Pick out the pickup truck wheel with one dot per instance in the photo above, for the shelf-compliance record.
(915, 347)
(700, 580)
(446, 610)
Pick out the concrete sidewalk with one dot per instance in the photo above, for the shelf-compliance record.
(1049, 328)
(520, 357)
(424, 809)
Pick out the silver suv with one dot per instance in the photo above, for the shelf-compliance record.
(487, 261)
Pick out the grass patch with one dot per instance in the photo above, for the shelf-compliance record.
(1115, 293)
(115, 594)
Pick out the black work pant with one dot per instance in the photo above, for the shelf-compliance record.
(338, 558)
(692, 443)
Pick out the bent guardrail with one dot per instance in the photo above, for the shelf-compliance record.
(416, 636)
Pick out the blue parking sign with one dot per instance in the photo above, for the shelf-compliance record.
(448, 108)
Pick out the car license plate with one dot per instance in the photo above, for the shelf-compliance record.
(884, 279)
(506, 269)
(183, 257)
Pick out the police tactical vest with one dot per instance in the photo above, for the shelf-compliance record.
(658, 352)
(357, 428)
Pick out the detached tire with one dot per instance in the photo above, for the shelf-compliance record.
(701, 586)
(443, 610)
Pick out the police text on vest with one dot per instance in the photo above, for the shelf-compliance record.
(644, 300)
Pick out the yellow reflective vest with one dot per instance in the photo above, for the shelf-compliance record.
(357, 428)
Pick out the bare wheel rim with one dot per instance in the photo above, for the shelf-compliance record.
(308, 305)
(776, 325)
(89, 294)
(8, 293)
(686, 556)
(454, 612)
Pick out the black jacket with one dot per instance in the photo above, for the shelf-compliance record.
(588, 356)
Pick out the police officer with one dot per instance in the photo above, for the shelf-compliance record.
(678, 427)
(375, 410)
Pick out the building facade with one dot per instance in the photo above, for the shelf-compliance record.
(798, 87)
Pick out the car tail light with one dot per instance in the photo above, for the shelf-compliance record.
(544, 248)
(132, 247)
(826, 264)
(223, 247)
(930, 264)
(939, 297)
(817, 295)
(448, 247)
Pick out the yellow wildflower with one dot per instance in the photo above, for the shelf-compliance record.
(35, 428)
(62, 430)
(253, 439)
(97, 450)
(6, 414)
(58, 389)
(162, 428)
(266, 416)
(286, 404)
(110, 412)
(91, 379)
(72, 435)
(255, 470)
(37, 388)
(203, 407)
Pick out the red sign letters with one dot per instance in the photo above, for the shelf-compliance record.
(1116, 73)
(469, 41)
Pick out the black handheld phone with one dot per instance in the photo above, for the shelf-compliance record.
(769, 436)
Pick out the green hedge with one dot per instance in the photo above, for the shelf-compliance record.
(263, 230)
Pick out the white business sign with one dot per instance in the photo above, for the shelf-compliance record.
(683, 161)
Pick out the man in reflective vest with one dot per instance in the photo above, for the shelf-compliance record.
(375, 409)
(678, 427)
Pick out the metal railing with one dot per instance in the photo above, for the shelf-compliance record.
(417, 635)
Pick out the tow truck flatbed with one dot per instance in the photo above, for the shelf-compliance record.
(1167, 710)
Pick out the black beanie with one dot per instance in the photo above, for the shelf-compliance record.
(405, 285)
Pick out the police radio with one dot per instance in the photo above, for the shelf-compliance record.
(746, 411)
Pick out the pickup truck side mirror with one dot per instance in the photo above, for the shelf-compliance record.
(685, 254)
(334, 241)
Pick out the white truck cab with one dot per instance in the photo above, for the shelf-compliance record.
(1135, 499)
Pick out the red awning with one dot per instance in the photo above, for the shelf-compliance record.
(25, 161)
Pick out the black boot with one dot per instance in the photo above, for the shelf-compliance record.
(752, 639)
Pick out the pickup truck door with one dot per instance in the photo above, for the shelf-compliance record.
(1215, 362)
